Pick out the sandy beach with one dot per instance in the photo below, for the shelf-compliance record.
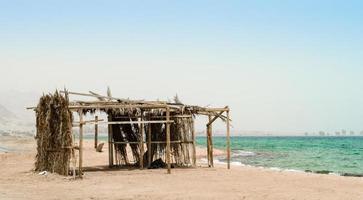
(18, 181)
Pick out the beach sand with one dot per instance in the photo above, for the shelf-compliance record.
(18, 181)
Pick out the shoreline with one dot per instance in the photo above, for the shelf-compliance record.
(323, 172)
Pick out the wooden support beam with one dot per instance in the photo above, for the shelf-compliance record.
(141, 142)
(210, 142)
(157, 142)
(96, 132)
(111, 131)
(99, 96)
(80, 162)
(213, 113)
(194, 150)
(110, 145)
(215, 117)
(228, 144)
(217, 109)
(126, 122)
(168, 157)
(89, 122)
(149, 159)
(174, 116)
(116, 105)
(208, 145)
(73, 155)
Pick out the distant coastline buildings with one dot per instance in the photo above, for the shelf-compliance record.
(342, 133)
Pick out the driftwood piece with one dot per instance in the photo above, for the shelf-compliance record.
(99, 147)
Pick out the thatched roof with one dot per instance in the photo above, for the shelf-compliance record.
(134, 107)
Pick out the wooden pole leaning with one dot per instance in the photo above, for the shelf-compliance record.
(228, 142)
(218, 115)
(168, 157)
(80, 162)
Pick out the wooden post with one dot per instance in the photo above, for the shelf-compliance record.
(194, 151)
(149, 159)
(228, 143)
(210, 142)
(96, 131)
(141, 142)
(208, 146)
(80, 143)
(110, 145)
(168, 139)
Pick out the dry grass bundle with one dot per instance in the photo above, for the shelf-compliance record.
(182, 131)
(54, 136)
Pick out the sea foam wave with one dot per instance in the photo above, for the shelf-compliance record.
(243, 153)
(3, 149)
(234, 163)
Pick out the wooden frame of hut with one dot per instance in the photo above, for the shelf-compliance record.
(165, 129)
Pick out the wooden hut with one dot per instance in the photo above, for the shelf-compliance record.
(153, 130)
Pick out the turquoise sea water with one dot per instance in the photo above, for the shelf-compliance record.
(340, 155)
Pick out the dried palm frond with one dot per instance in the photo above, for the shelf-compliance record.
(54, 137)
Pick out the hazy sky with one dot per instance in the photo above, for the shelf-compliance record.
(279, 65)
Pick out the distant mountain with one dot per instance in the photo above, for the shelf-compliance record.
(17, 101)
(6, 114)
(11, 125)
